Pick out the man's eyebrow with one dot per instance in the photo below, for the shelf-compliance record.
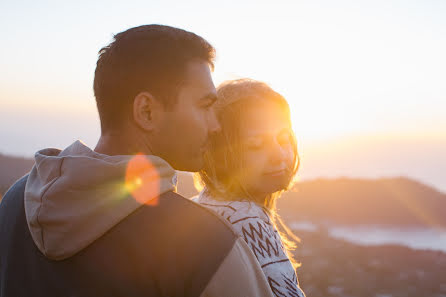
(211, 96)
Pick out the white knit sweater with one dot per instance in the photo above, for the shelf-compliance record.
(253, 224)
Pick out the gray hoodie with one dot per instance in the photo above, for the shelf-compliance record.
(74, 196)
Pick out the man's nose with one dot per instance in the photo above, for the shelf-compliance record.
(214, 124)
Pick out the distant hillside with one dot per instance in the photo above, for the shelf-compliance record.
(390, 201)
(11, 169)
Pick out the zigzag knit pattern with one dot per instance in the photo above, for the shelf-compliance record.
(254, 225)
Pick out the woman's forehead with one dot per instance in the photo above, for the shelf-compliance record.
(265, 118)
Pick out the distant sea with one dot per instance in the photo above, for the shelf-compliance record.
(415, 238)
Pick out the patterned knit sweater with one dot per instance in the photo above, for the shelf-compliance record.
(253, 224)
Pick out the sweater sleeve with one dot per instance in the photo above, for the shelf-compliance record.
(239, 275)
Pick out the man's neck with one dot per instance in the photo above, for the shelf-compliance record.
(121, 143)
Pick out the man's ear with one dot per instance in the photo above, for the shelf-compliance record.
(146, 110)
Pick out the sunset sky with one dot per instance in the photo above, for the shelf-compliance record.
(366, 80)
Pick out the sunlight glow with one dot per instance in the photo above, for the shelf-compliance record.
(410, 201)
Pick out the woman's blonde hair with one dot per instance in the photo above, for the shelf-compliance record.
(221, 173)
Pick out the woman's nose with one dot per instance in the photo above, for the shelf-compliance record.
(279, 153)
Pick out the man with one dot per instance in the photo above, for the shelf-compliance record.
(106, 222)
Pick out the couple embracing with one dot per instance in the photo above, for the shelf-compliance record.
(107, 221)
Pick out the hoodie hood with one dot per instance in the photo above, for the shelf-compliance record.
(74, 196)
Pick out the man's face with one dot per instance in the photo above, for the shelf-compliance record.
(183, 131)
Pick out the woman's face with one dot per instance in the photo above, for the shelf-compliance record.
(267, 149)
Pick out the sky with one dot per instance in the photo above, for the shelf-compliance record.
(365, 79)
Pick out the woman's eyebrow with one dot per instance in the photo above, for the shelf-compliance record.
(257, 135)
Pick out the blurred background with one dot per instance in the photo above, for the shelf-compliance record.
(365, 81)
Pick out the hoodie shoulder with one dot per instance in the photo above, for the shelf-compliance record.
(74, 196)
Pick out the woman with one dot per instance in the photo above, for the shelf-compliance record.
(248, 165)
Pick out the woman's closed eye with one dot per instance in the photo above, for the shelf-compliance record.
(255, 143)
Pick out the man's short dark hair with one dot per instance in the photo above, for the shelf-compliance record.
(150, 58)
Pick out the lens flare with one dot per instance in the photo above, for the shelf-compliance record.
(142, 180)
